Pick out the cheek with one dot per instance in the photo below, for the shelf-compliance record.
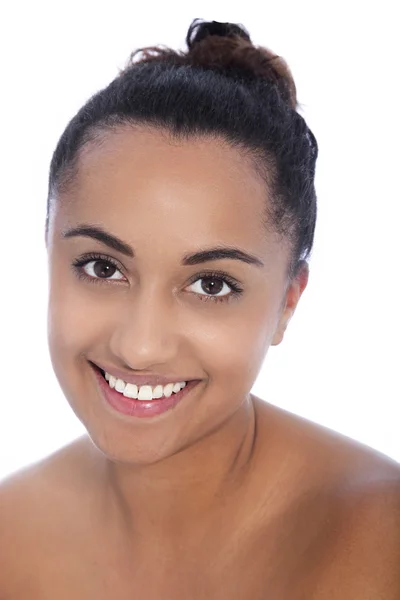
(233, 350)
(75, 327)
(74, 320)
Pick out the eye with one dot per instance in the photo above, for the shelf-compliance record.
(214, 287)
(102, 269)
(96, 267)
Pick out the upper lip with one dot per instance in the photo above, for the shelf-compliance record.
(149, 379)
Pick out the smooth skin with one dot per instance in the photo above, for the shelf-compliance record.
(224, 496)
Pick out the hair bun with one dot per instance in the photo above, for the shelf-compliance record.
(227, 47)
(199, 30)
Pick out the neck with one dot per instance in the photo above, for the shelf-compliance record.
(177, 496)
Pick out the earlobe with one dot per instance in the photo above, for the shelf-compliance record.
(281, 328)
(278, 336)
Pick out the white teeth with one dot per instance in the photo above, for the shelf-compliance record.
(158, 391)
(168, 390)
(131, 390)
(143, 392)
(120, 385)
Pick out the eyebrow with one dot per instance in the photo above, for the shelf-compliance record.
(195, 258)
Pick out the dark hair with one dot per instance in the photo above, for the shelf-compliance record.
(224, 87)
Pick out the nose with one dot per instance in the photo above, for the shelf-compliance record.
(146, 332)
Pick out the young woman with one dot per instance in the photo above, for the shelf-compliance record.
(181, 215)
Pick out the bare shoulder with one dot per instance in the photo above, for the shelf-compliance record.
(45, 481)
(31, 512)
(364, 558)
(358, 491)
(327, 453)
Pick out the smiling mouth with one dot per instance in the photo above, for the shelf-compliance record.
(131, 390)
(143, 401)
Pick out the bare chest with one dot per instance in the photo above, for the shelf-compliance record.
(195, 581)
(279, 564)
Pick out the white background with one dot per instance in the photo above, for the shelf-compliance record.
(338, 364)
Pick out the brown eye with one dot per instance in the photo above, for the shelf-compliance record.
(101, 269)
(212, 286)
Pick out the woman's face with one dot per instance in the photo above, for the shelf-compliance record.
(149, 313)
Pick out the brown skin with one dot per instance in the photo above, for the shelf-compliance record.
(225, 496)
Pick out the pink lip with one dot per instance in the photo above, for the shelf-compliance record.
(139, 408)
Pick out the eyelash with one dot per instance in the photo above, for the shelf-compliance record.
(79, 263)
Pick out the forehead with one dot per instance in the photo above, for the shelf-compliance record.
(197, 188)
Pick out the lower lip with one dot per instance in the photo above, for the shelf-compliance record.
(140, 408)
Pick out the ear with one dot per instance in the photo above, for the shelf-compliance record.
(292, 297)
